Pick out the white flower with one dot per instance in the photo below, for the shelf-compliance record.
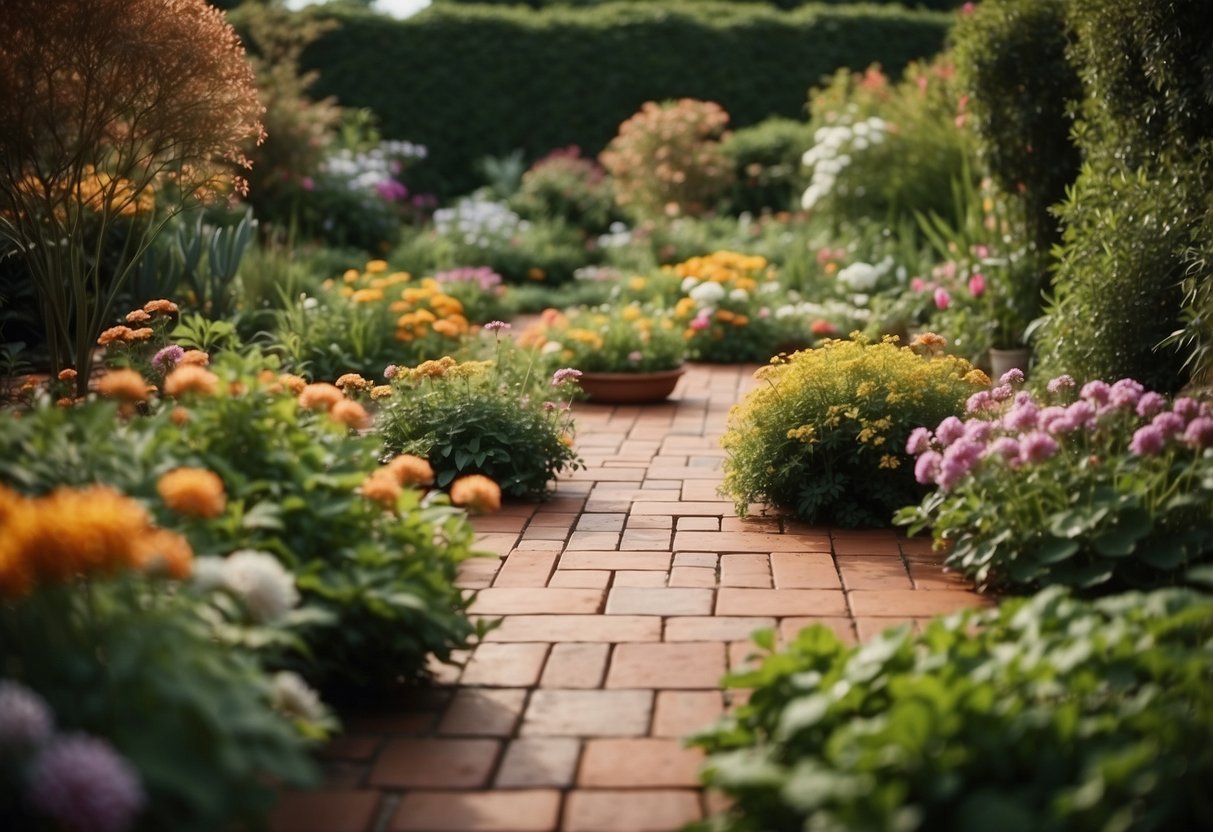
(259, 580)
(292, 696)
(859, 276)
(208, 573)
(551, 347)
(689, 283)
(739, 295)
(707, 293)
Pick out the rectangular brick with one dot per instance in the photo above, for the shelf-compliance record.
(529, 810)
(748, 542)
(659, 601)
(873, 572)
(564, 628)
(804, 570)
(682, 509)
(907, 603)
(588, 713)
(522, 568)
(780, 602)
(696, 576)
(521, 600)
(576, 665)
(583, 578)
(745, 570)
(667, 665)
(615, 560)
(715, 627)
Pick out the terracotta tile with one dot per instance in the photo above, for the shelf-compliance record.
(592, 541)
(869, 628)
(659, 601)
(505, 665)
(604, 810)
(708, 559)
(615, 560)
(715, 627)
(873, 543)
(844, 628)
(479, 712)
(931, 576)
(922, 545)
(804, 570)
(614, 628)
(588, 713)
(447, 672)
(645, 539)
(595, 474)
(585, 578)
(751, 523)
(680, 713)
(497, 523)
(354, 747)
(575, 665)
(698, 524)
(667, 665)
(695, 576)
(745, 570)
(544, 533)
(686, 508)
(635, 577)
(553, 518)
(706, 492)
(780, 602)
(650, 521)
(325, 811)
(533, 762)
(608, 522)
(342, 775)
(908, 603)
(435, 763)
(745, 656)
(873, 572)
(748, 542)
(522, 568)
(535, 544)
(646, 762)
(477, 573)
(534, 810)
(497, 543)
(522, 600)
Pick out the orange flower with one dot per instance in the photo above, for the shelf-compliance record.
(114, 333)
(448, 329)
(351, 414)
(163, 307)
(127, 385)
(138, 316)
(928, 343)
(381, 487)
(476, 492)
(179, 416)
(166, 551)
(292, 382)
(193, 492)
(197, 358)
(67, 375)
(189, 378)
(366, 295)
(376, 266)
(352, 380)
(142, 334)
(321, 396)
(410, 470)
(381, 391)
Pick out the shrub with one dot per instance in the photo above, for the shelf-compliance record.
(666, 160)
(157, 104)
(766, 161)
(568, 187)
(825, 435)
(496, 418)
(1107, 491)
(1048, 713)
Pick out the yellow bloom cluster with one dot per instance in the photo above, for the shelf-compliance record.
(421, 306)
(72, 533)
(741, 271)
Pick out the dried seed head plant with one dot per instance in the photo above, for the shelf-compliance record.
(114, 116)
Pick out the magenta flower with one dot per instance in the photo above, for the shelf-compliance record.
(166, 358)
(1022, 417)
(566, 374)
(1186, 407)
(1171, 424)
(1096, 391)
(1148, 441)
(1049, 417)
(82, 783)
(700, 323)
(1151, 404)
(1012, 376)
(1125, 394)
(917, 284)
(957, 461)
(1081, 414)
(978, 430)
(919, 441)
(1199, 433)
(949, 430)
(1062, 382)
(926, 469)
(1037, 447)
(977, 285)
(25, 721)
(390, 371)
(942, 299)
(979, 402)
(1002, 392)
(1005, 448)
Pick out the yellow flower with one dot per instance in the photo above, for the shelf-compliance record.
(190, 378)
(411, 470)
(889, 461)
(127, 385)
(381, 391)
(350, 276)
(476, 492)
(977, 378)
(366, 295)
(193, 492)
(448, 329)
(376, 266)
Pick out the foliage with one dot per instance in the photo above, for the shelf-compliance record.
(1111, 490)
(102, 105)
(1048, 713)
(766, 160)
(1011, 60)
(825, 434)
(632, 338)
(566, 186)
(666, 160)
(497, 417)
(476, 101)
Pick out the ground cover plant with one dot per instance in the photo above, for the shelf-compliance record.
(1048, 713)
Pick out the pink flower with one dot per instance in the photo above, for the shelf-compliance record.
(1171, 424)
(566, 374)
(1005, 448)
(700, 323)
(919, 441)
(982, 251)
(1186, 407)
(389, 372)
(25, 721)
(979, 402)
(82, 783)
(1022, 417)
(1151, 404)
(496, 326)
(1062, 382)
(1096, 391)
(977, 285)
(1148, 441)
(958, 460)
(1001, 393)
(942, 299)
(1125, 394)
(926, 469)
(949, 430)
(917, 284)
(634, 356)
(1012, 377)
(307, 183)
(1199, 433)
(978, 430)
(1081, 414)
(1037, 447)
(1050, 417)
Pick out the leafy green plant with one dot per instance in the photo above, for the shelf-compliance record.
(1048, 713)
(825, 434)
(498, 418)
(1106, 490)
(565, 186)
(766, 157)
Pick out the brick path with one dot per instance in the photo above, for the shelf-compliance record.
(622, 601)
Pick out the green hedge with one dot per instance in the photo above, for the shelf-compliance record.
(471, 81)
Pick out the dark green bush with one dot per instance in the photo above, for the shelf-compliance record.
(566, 186)
(767, 158)
(1011, 59)
(1049, 714)
(470, 82)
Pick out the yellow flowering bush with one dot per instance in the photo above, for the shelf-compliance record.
(825, 434)
(632, 338)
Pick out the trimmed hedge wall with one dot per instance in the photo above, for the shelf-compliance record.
(476, 80)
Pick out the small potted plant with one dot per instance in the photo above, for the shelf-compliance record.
(627, 354)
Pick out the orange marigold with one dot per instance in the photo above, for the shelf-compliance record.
(114, 333)
(447, 329)
(137, 316)
(167, 552)
(351, 414)
(127, 385)
(292, 382)
(476, 492)
(320, 396)
(194, 492)
(410, 470)
(160, 307)
(143, 333)
(354, 381)
(190, 378)
(67, 375)
(381, 391)
(381, 487)
(196, 358)
(179, 416)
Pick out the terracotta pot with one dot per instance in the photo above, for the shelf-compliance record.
(630, 388)
(1003, 360)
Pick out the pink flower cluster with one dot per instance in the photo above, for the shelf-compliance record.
(482, 276)
(1014, 429)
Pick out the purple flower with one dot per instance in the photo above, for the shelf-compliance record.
(949, 430)
(1151, 404)
(980, 402)
(1005, 448)
(496, 326)
(389, 372)
(958, 460)
(566, 374)
(1012, 376)
(1171, 424)
(1096, 391)
(919, 441)
(1148, 441)
(926, 469)
(1062, 382)
(25, 721)
(166, 358)
(82, 783)
(389, 190)
(1125, 394)
(1199, 433)
(1037, 447)
(1186, 407)
(1001, 393)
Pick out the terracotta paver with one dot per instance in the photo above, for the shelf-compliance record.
(614, 610)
